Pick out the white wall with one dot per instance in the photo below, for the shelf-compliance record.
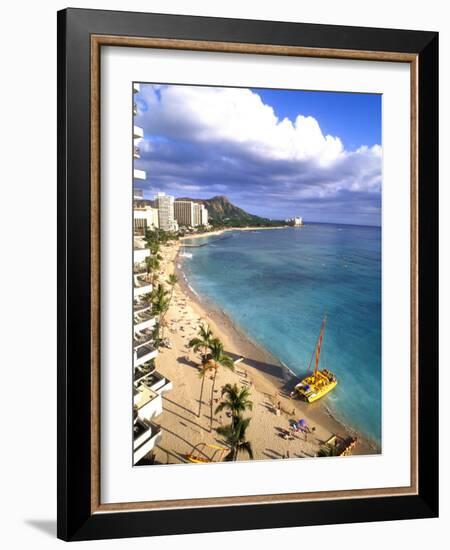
(28, 130)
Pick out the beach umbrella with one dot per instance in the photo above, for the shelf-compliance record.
(302, 423)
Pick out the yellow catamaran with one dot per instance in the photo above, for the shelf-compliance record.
(317, 385)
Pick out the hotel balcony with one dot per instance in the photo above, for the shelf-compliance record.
(144, 353)
(136, 87)
(148, 403)
(143, 337)
(138, 132)
(157, 382)
(136, 152)
(144, 320)
(140, 254)
(135, 396)
(141, 285)
(145, 436)
(140, 268)
(142, 371)
(139, 174)
(140, 306)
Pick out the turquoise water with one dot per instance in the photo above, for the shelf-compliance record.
(277, 285)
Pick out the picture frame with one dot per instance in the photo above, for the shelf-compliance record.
(81, 36)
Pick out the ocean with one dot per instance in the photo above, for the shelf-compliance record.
(277, 285)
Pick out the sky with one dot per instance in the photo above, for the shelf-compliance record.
(274, 153)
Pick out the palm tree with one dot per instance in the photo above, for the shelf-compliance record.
(235, 438)
(237, 401)
(160, 304)
(154, 248)
(202, 343)
(172, 281)
(152, 266)
(216, 359)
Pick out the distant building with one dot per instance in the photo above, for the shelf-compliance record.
(297, 221)
(184, 213)
(166, 216)
(203, 215)
(197, 215)
(145, 217)
(190, 213)
(149, 384)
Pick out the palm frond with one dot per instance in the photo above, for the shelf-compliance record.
(246, 447)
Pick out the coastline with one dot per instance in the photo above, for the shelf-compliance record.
(226, 229)
(270, 381)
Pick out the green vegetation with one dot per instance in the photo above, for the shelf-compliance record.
(235, 438)
(202, 343)
(156, 237)
(237, 401)
(217, 359)
(160, 304)
(153, 265)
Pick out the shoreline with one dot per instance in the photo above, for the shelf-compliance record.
(270, 382)
(225, 229)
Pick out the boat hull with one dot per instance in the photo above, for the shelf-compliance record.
(314, 388)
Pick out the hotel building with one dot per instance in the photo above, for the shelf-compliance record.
(197, 215)
(148, 384)
(166, 214)
(184, 212)
(190, 214)
(203, 215)
(145, 217)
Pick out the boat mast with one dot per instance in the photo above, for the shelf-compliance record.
(319, 346)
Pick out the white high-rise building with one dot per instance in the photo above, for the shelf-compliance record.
(145, 217)
(197, 216)
(166, 215)
(138, 134)
(203, 215)
(148, 384)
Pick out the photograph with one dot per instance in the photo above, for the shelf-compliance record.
(247, 273)
(256, 274)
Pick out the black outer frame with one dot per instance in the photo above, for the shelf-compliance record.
(75, 521)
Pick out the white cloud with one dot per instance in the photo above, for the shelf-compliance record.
(238, 120)
(239, 116)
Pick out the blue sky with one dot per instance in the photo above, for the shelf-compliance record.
(355, 118)
(275, 153)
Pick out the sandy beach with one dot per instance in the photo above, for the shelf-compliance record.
(186, 424)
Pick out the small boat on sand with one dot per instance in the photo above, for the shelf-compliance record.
(321, 382)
